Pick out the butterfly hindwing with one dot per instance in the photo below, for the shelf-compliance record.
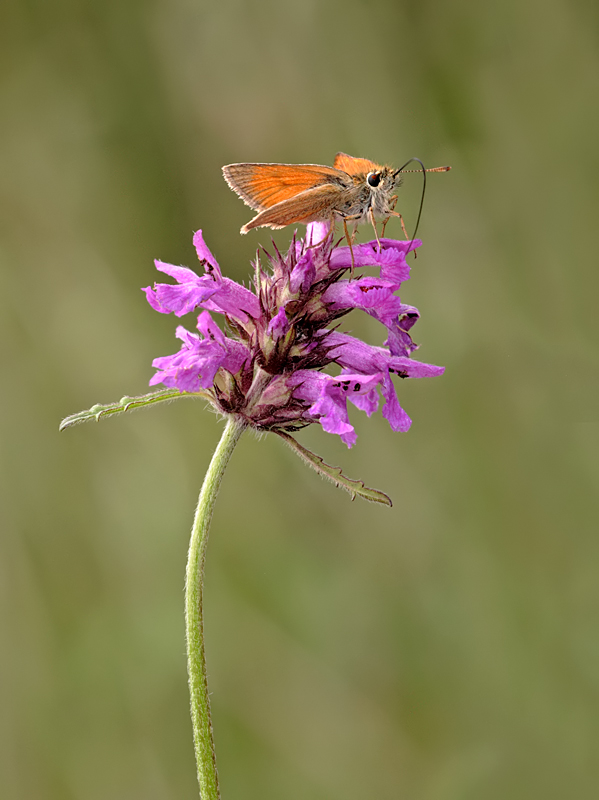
(308, 206)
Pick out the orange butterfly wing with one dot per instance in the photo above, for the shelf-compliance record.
(262, 186)
(310, 205)
(355, 166)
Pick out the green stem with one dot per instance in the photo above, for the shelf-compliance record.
(194, 617)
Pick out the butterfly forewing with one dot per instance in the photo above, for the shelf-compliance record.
(263, 186)
(355, 166)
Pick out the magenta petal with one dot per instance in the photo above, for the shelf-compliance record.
(182, 275)
(180, 300)
(349, 438)
(373, 295)
(329, 396)
(235, 301)
(209, 329)
(355, 355)
(392, 411)
(153, 300)
(399, 342)
(195, 366)
(303, 274)
(204, 254)
(391, 258)
(317, 232)
(332, 413)
(404, 246)
(279, 324)
(393, 263)
(408, 316)
(186, 295)
(409, 368)
(368, 403)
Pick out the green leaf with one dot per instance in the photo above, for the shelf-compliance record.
(334, 473)
(127, 404)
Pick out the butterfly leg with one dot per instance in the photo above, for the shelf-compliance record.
(392, 204)
(371, 218)
(351, 218)
(393, 213)
(349, 241)
(403, 227)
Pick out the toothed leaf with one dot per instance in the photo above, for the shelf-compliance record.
(334, 474)
(126, 404)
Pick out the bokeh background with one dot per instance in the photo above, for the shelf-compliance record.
(447, 649)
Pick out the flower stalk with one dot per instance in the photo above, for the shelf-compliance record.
(194, 612)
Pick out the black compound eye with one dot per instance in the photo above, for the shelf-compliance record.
(373, 178)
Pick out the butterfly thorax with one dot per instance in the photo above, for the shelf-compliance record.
(361, 196)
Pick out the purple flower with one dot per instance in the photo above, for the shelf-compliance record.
(268, 370)
(391, 258)
(373, 295)
(195, 366)
(328, 398)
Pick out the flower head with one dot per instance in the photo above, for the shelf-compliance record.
(269, 368)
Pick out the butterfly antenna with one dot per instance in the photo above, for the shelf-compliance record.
(423, 170)
(428, 169)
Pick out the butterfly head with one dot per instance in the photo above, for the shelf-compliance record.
(380, 184)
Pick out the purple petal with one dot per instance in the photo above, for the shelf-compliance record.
(328, 396)
(355, 355)
(393, 264)
(317, 232)
(182, 275)
(409, 368)
(237, 355)
(366, 402)
(235, 301)
(303, 274)
(408, 317)
(211, 291)
(204, 254)
(279, 324)
(399, 341)
(186, 295)
(373, 295)
(199, 359)
(391, 259)
(209, 329)
(392, 411)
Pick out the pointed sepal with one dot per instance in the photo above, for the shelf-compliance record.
(334, 474)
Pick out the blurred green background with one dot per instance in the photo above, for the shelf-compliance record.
(445, 649)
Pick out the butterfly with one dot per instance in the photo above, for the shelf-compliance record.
(353, 190)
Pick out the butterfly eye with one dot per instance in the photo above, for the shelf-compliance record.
(373, 178)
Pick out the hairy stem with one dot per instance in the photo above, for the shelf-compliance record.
(194, 615)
